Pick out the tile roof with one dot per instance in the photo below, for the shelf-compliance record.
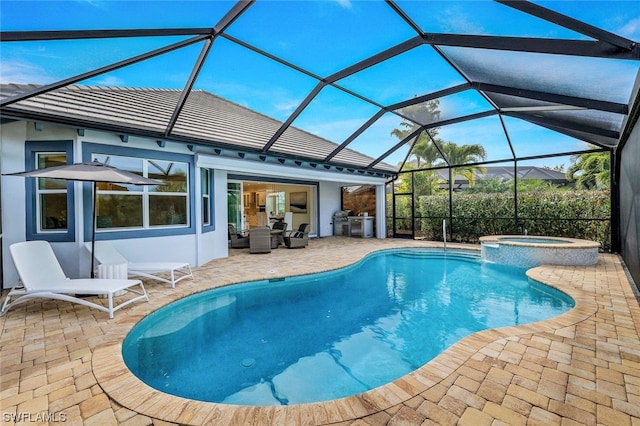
(205, 119)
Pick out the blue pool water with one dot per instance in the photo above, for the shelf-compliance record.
(325, 336)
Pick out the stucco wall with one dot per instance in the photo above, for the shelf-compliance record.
(329, 199)
(196, 248)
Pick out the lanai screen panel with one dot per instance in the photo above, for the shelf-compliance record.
(486, 134)
(256, 94)
(480, 18)
(620, 17)
(419, 71)
(376, 141)
(446, 108)
(276, 53)
(588, 78)
(601, 125)
(332, 115)
(112, 15)
(338, 34)
(253, 80)
(532, 140)
(426, 152)
(48, 61)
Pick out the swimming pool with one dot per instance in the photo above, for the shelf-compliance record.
(324, 336)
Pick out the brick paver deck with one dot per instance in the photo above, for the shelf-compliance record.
(61, 362)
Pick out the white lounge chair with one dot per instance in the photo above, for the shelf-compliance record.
(41, 276)
(106, 254)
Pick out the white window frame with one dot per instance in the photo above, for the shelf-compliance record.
(145, 194)
(39, 192)
(205, 178)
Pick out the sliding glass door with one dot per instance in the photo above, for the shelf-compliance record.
(234, 205)
(256, 203)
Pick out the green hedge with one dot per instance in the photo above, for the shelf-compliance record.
(553, 213)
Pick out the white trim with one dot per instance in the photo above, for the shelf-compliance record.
(277, 170)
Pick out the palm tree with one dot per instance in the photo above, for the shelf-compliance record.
(418, 115)
(459, 156)
(426, 146)
(590, 170)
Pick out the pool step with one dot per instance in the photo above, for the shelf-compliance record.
(438, 255)
(173, 323)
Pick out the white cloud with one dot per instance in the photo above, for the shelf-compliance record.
(631, 29)
(335, 130)
(344, 3)
(95, 3)
(23, 72)
(455, 19)
(110, 80)
(286, 106)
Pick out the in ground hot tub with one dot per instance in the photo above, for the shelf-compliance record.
(530, 251)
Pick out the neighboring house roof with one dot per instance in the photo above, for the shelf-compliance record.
(205, 119)
(507, 173)
(524, 172)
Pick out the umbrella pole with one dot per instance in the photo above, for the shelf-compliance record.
(93, 229)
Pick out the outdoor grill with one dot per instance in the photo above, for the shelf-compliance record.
(341, 223)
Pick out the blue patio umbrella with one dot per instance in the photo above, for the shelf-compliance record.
(93, 172)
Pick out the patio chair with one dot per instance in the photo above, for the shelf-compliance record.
(106, 254)
(41, 276)
(279, 238)
(260, 240)
(237, 239)
(299, 238)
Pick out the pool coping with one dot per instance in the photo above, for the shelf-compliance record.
(127, 390)
(571, 243)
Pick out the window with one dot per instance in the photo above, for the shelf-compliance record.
(51, 194)
(123, 206)
(49, 202)
(276, 203)
(205, 185)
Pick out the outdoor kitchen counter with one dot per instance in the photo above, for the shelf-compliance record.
(361, 226)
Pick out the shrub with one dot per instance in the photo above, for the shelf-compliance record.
(571, 214)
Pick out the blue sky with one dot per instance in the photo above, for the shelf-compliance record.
(325, 37)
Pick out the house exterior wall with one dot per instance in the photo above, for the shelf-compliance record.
(329, 184)
(329, 199)
(194, 245)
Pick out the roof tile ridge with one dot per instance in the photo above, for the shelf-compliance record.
(94, 87)
(206, 92)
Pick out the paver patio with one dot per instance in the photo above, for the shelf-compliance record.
(60, 362)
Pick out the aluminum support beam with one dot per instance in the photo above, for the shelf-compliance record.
(595, 49)
(615, 107)
(11, 36)
(548, 122)
(570, 23)
(189, 85)
(98, 71)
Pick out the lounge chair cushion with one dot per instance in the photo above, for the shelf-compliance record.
(41, 276)
(105, 253)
